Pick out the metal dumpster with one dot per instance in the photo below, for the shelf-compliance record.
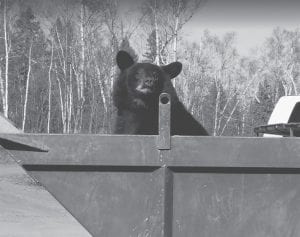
(118, 185)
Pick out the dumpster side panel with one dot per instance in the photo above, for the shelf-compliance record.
(202, 186)
(236, 204)
(233, 187)
(109, 203)
(111, 184)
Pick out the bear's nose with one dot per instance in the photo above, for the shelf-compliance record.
(149, 82)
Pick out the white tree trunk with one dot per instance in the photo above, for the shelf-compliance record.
(243, 122)
(93, 104)
(69, 102)
(82, 64)
(175, 43)
(157, 55)
(62, 106)
(81, 76)
(27, 87)
(291, 77)
(175, 38)
(7, 49)
(102, 91)
(229, 117)
(217, 108)
(2, 87)
(50, 87)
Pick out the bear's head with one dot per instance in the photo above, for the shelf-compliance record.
(142, 83)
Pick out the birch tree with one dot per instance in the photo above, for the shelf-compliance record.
(27, 86)
(179, 12)
(79, 68)
(63, 35)
(50, 86)
(280, 59)
(7, 47)
(29, 49)
(7, 50)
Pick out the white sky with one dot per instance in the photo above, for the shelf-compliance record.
(252, 20)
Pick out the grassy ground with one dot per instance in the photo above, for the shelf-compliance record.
(27, 210)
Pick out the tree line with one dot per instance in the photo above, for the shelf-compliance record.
(57, 69)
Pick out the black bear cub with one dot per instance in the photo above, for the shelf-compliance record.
(136, 96)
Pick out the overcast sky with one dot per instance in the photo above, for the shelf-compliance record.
(253, 20)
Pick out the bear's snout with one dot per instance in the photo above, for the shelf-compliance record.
(149, 82)
(146, 86)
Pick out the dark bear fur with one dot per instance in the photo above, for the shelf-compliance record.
(136, 96)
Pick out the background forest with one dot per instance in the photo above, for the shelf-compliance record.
(57, 66)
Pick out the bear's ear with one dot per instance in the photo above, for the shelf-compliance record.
(172, 69)
(124, 60)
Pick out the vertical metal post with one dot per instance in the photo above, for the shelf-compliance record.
(164, 146)
(164, 123)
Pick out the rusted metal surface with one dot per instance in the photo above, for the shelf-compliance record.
(195, 186)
